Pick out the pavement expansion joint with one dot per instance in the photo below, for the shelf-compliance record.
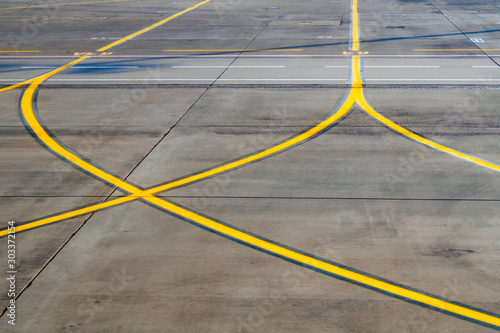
(354, 99)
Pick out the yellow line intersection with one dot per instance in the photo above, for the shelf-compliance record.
(355, 97)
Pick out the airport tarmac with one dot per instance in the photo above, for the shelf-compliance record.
(237, 166)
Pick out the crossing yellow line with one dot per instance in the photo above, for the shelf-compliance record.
(341, 112)
(35, 82)
(17, 85)
(355, 96)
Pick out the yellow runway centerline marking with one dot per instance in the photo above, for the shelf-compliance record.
(355, 97)
(61, 4)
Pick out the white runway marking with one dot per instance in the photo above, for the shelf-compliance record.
(258, 79)
(195, 67)
(90, 67)
(402, 66)
(386, 66)
(461, 80)
(162, 56)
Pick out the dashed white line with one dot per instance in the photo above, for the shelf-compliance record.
(409, 80)
(189, 56)
(196, 67)
(386, 66)
(485, 67)
(90, 67)
(401, 66)
(157, 79)
(39, 67)
(237, 79)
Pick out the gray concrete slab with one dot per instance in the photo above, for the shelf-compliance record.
(466, 7)
(129, 121)
(213, 132)
(224, 288)
(35, 249)
(118, 121)
(402, 167)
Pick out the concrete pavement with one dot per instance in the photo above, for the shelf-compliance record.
(227, 80)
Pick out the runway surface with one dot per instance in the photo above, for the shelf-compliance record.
(263, 166)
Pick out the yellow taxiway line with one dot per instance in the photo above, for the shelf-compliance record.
(157, 24)
(355, 96)
(107, 47)
(355, 27)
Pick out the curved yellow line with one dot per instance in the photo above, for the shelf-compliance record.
(39, 131)
(49, 74)
(355, 96)
(32, 122)
(429, 143)
(17, 85)
(343, 110)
